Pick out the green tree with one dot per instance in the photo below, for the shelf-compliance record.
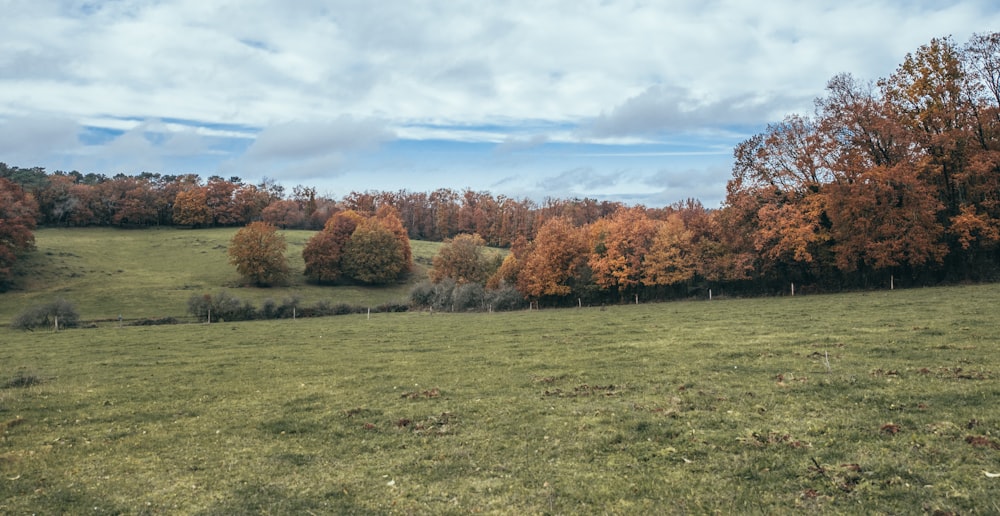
(258, 252)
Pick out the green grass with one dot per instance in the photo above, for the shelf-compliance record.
(152, 273)
(694, 407)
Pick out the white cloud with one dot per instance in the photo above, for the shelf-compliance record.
(295, 139)
(260, 63)
(27, 141)
(518, 144)
(362, 73)
(310, 149)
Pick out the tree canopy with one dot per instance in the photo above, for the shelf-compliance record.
(258, 252)
(18, 213)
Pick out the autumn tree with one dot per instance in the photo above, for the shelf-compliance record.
(284, 213)
(55, 201)
(324, 252)
(374, 255)
(462, 260)
(619, 248)
(258, 252)
(886, 219)
(388, 217)
(137, 204)
(778, 177)
(248, 203)
(18, 215)
(556, 262)
(672, 257)
(191, 208)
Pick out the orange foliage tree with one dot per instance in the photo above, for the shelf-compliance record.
(461, 259)
(556, 261)
(18, 213)
(191, 208)
(619, 248)
(672, 258)
(258, 252)
(373, 250)
(324, 251)
(388, 218)
(374, 255)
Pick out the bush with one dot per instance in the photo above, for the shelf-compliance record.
(442, 299)
(422, 294)
(21, 380)
(393, 306)
(344, 309)
(221, 307)
(45, 316)
(447, 296)
(505, 298)
(320, 309)
(269, 310)
(468, 297)
(154, 322)
(289, 308)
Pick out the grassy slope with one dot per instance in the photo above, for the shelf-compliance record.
(724, 406)
(152, 273)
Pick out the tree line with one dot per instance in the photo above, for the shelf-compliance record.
(895, 180)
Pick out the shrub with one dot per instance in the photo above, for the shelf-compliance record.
(343, 309)
(44, 316)
(289, 308)
(504, 298)
(468, 297)
(22, 380)
(443, 292)
(393, 306)
(269, 309)
(422, 294)
(320, 309)
(154, 322)
(222, 307)
(447, 295)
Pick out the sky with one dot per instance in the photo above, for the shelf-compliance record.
(634, 101)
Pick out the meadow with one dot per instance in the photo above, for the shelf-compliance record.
(151, 273)
(878, 402)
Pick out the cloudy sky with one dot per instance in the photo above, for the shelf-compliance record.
(631, 100)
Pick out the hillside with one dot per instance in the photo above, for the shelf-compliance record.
(152, 273)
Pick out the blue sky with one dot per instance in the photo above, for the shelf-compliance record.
(635, 101)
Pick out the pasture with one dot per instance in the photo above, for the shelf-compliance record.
(151, 273)
(879, 402)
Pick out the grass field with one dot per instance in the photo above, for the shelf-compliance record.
(151, 273)
(881, 402)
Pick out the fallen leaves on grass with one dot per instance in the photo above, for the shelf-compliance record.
(771, 438)
(980, 441)
(585, 390)
(956, 373)
(436, 425)
(889, 428)
(430, 393)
